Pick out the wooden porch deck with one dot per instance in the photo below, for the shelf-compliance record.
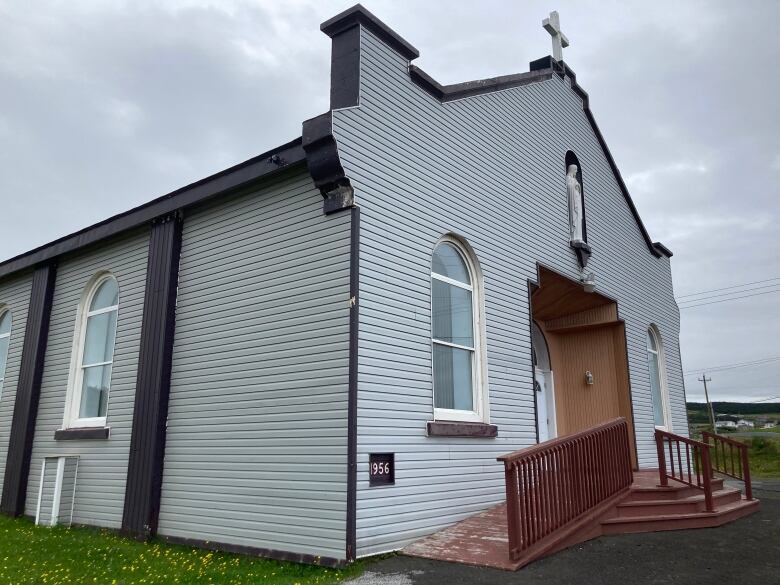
(482, 539)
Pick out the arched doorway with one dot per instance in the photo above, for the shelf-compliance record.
(543, 385)
(582, 340)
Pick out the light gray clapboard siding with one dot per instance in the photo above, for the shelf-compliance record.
(45, 492)
(103, 463)
(489, 168)
(14, 296)
(257, 423)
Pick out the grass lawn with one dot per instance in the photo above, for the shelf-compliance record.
(764, 455)
(50, 556)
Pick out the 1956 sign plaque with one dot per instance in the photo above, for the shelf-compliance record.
(381, 469)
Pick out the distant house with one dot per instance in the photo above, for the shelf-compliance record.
(725, 424)
(745, 423)
(769, 425)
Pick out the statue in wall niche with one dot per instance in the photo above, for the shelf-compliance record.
(575, 205)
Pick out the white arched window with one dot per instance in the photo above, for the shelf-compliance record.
(655, 362)
(5, 338)
(94, 343)
(456, 334)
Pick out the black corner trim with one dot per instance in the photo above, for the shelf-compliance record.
(448, 93)
(358, 15)
(461, 429)
(268, 553)
(89, 433)
(28, 391)
(150, 411)
(663, 249)
(533, 285)
(352, 399)
(345, 69)
(232, 179)
(322, 158)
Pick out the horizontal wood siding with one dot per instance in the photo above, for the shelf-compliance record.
(102, 470)
(491, 169)
(14, 296)
(256, 451)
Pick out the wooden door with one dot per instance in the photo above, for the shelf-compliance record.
(580, 405)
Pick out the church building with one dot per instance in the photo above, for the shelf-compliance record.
(319, 354)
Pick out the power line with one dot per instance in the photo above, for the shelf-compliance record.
(734, 292)
(765, 399)
(696, 294)
(731, 299)
(732, 366)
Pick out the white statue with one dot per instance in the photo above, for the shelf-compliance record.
(575, 205)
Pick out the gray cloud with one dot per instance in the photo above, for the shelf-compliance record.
(105, 106)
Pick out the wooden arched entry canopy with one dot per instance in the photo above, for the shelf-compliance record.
(583, 334)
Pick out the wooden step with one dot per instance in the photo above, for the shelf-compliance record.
(689, 505)
(728, 512)
(674, 491)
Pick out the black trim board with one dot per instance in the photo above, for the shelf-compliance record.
(150, 411)
(322, 158)
(87, 433)
(28, 391)
(352, 397)
(231, 179)
(531, 287)
(345, 69)
(456, 91)
(358, 15)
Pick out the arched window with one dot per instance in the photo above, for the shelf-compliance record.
(658, 390)
(456, 334)
(5, 338)
(96, 333)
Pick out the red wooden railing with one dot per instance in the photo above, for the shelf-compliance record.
(688, 463)
(730, 457)
(553, 484)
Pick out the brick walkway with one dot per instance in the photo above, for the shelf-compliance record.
(742, 552)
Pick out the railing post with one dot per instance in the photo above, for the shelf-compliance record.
(746, 472)
(512, 516)
(707, 473)
(659, 444)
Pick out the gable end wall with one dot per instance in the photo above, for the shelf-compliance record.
(489, 168)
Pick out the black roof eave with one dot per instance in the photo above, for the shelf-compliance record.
(233, 178)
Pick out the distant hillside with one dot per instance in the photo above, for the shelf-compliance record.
(737, 407)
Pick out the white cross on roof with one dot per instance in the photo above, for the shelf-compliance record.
(553, 26)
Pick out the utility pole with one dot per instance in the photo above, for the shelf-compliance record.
(704, 379)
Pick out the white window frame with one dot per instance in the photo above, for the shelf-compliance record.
(3, 312)
(652, 330)
(478, 365)
(73, 399)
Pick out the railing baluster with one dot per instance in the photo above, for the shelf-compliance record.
(688, 460)
(707, 467)
(659, 444)
(746, 473)
(554, 483)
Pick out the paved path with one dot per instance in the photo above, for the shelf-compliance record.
(746, 551)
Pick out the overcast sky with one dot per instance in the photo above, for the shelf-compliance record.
(105, 105)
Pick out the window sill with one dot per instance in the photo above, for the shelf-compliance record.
(461, 429)
(82, 433)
